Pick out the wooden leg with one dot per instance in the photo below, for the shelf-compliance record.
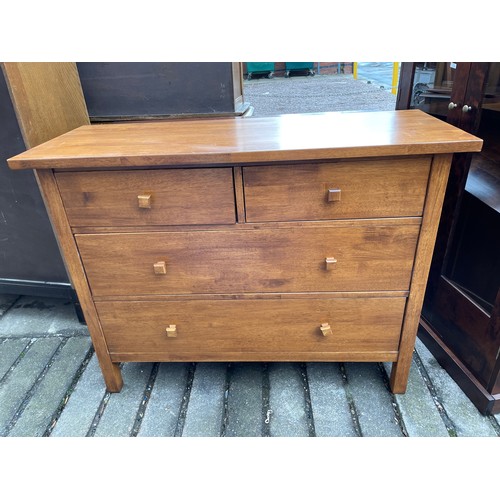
(110, 371)
(399, 377)
(112, 376)
(432, 212)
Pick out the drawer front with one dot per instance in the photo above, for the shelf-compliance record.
(216, 327)
(148, 197)
(344, 190)
(300, 259)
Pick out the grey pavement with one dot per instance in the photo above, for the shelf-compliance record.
(315, 94)
(51, 385)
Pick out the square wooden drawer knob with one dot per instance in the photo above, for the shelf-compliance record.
(160, 267)
(144, 200)
(333, 194)
(330, 263)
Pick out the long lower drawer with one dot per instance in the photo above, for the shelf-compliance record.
(253, 329)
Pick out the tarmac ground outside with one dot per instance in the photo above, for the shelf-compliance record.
(371, 91)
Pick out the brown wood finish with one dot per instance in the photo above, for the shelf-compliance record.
(62, 108)
(345, 288)
(484, 401)
(321, 136)
(53, 202)
(264, 260)
(239, 195)
(372, 188)
(460, 324)
(199, 196)
(248, 327)
(407, 221)
(432, 211)
(471, 342)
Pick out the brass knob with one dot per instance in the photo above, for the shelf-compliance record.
(144, 200)
(452, 105)
(326, 329)
(171, 330)
(466, 108)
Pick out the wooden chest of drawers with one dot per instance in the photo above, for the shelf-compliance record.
(300, 237)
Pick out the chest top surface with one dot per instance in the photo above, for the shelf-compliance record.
(299, 137)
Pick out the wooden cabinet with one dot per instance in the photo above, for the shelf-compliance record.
(304, 238)
(38, 101)
(461, 314)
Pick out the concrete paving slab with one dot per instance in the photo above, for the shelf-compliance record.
(162, 412)
(244, 404)
(372, 400)
(121, 410)
(466, 418)
(6, 301)
(79, 412)
(420, 415)
(16, 386)
(10, 350)
(287, 401)
(35, 316)
(206, 402)
(332, 417)
(39, 411)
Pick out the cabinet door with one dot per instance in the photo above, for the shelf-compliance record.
(447, 90)
(462, 300)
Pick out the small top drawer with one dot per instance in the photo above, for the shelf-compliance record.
(148, 197)
(343, 190)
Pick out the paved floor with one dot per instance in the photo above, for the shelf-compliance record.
(313, 94)
(378, 74)
(51, 385)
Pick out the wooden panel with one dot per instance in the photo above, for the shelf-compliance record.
(355, 189)
(314, 136)
(263, 260)
(463, 326)
(249, 327)
(472, 387)
(28, 246)
(179, 196)
(110, 370)
(48, 99)
(433, 203)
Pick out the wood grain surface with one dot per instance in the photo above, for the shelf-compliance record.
(178, 196)
(315, 136)
(48, 99)
(264, 260)
(370, 188)
(252, 329)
